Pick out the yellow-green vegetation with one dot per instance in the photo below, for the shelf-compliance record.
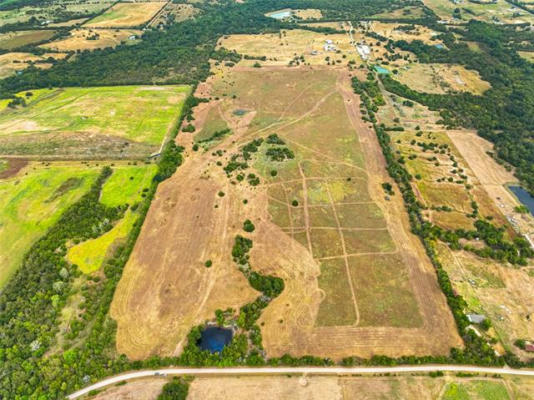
(476, 389)
(31, 202)
(90, 118)
(48, 11)
(126, 185)
(90, 255)
(124, 15)
(527, 55)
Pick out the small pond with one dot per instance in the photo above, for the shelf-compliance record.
(214, 339)
(282, 14)
(439, 46)
(381, 70)
(524, 197)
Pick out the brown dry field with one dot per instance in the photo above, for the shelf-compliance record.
(330, 388)
(124, 15)
(442, 78)
(78, 39)
(310, 13)
(181, 12)
(388, 29)
(165, 283)
(292, 43)
(527, 55)
(492, 176)
(432, 193)
(12, 40)
(10, 63)
(501, 292)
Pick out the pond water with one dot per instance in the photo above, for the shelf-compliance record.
(381, 70)
(524, 197)
(280, 14)
(214, 339)
(439, 46)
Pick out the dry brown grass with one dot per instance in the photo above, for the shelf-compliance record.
(10, 63)
(180, 12)
(281, 48)
(78, 39)
(442, 78)
(389, 30)
(501, 292)
(142, 389)
(165, 283)
(126, 15)
(310, 13)
(12, 40)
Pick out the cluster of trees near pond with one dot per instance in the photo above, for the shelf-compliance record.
(31, 303)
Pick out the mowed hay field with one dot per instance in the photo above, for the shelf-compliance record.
(340, 219)
(334, 388)
(117, 121)
(12, 40)
(31, 201)
(126, 15)
(442, 78)
(89, 39)
(281, 48)
(125, 186)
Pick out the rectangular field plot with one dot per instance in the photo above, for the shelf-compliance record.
(12, 40)
(337, 307)
(91, 39)
(95, 122)
(383, 292)
(126, 15)
(31, 201)
(366, 216)
(368, 241)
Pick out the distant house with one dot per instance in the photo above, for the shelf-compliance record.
(476, 318)
(132, 37)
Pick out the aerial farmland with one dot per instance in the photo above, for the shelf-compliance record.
(332, 199)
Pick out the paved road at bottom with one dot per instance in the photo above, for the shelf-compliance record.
(237, 371)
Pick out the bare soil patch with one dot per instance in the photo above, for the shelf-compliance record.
(14, 165)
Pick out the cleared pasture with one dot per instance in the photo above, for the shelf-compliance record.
(91, 39)
(117, 122)
(126, 15)
(11, 63)
(31, 201)
(499, 291)
(490, 12)
(281, 48)
(442, 78)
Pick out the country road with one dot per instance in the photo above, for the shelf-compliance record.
(297, 370)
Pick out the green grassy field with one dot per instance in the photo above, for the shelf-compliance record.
(138, 114)
(125, 186)
(31, 202)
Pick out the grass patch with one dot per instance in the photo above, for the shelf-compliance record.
(91, 254)
(337, 307)
(366, 215)
(124, 15)
(126, 184)
(138, 113)
(31, 202)
(368, 241)
(383, 292)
